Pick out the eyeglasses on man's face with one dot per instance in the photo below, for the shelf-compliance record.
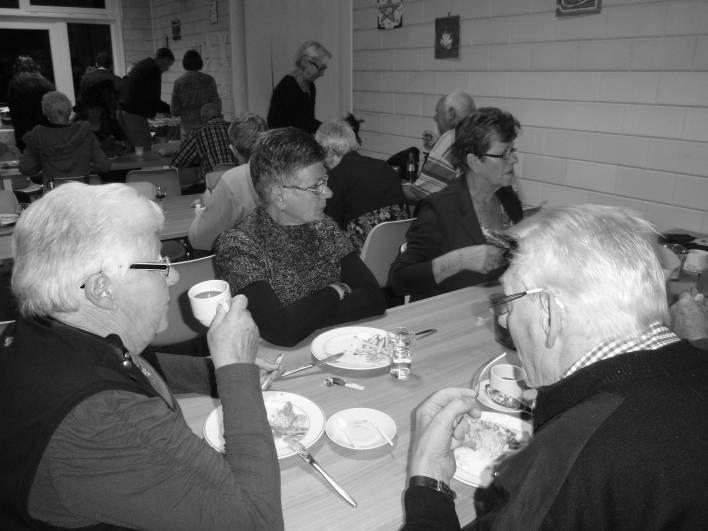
(318, 189)
(505, 156)
(162, 265)
(503, 302)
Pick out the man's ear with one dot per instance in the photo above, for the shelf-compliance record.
(99, 290)
(551, 318)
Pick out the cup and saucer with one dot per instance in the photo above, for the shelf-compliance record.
(503, 390)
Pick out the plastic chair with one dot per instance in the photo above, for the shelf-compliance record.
(181, 324)
(167, 177)
(382, 245)
(212, 178)
(8, 202)
(223, 166)
(145, 188)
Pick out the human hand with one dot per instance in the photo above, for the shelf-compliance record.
(689, 315)
(429, 139)
(481, 258)
(269, 371)
(437, 420)
(233, 336)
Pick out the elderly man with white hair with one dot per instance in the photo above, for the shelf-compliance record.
(365, 191)
(620, 418)
(92, 436)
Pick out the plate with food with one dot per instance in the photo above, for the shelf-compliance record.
(364, 348)
(289, 415)
(360, 428)
(487, 439)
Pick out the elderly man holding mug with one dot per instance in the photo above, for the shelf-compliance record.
(620, 418)
(92, 436)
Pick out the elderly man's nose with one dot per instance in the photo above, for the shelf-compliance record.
(173, 277)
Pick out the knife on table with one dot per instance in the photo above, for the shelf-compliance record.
(306, 456)
(328, 359)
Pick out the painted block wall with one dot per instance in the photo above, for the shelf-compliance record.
(613, 106)
(212, 41)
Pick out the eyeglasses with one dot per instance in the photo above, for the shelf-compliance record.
(503, 302)
(508, 152)
(319, 67)
(163, 265)
(318, 189)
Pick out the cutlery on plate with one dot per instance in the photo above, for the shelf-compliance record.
(338, 381)
(501, 398)
(328, 359)
(375, 426)
(268, 379)
(306, 456)
(345, 432)
(425, 333)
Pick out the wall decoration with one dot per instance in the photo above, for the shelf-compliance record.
(447, 37)
(566, 8)
(176, 29)
(390, 14)
(213, 12)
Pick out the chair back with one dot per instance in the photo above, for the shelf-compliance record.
(8, 202)
(212, 178)
(223, 166)
(181, 324)
(144, 188)
(382, 245)
(167, 177)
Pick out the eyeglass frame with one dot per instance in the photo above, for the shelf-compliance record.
(506, 299)
(317, 189)
(163, 265)
(505, 156)
(319, 67)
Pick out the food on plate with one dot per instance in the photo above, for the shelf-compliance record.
(486, 441)
(285, 422)
(373, 347)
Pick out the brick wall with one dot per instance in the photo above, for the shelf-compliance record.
(614, 106)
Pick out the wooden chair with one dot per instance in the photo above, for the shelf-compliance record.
(167, 177)
(181, 324)
(382, 245)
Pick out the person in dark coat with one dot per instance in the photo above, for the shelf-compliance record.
(24, 97)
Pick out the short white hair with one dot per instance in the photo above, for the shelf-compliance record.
(337, 138)
(73, 232)
(599, 260)
(312, 50)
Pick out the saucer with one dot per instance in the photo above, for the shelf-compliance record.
(484, 398)
(360, 428)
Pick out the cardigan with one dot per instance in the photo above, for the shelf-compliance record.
(445, 221)
(619, 444)
(285, 271)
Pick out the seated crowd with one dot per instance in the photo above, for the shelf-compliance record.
(617, 372)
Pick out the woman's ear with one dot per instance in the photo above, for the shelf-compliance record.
(99, 290)
(473, 161)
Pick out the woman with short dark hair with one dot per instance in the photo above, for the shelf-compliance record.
(24, 97)
(192, 90)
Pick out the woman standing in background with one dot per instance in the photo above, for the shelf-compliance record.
(192, 90)
(293, 99)
(24, 97)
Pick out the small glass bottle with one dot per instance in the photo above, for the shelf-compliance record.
(411, 167)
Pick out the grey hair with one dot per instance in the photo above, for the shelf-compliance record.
(56, 106)
(599, 260)
(244, 132)
(337, 139)
(209, 111)
(311, 49)
(73, 232)
(462, 102)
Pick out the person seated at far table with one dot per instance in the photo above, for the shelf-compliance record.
(298, 270)
(619, 421)
(208, 144)
(689, 316)
(91, 433)
(365, 191)
(62, 148)
(234, 196)
(452, 244)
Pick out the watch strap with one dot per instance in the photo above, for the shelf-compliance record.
(435, 484)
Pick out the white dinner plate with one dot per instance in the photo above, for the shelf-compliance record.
(274, 400)
(348, 339)
(8, 219)
(356, 428)
(484, 398)
(475, 467)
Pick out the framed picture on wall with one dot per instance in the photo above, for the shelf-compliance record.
(390, 14)
(447, 37)
(566, 8)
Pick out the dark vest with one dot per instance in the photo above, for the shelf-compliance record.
(45, 371)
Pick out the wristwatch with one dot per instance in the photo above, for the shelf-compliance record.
(435, 484)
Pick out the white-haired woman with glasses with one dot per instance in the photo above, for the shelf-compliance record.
(298, 270)
(452, 243)
(293, 99)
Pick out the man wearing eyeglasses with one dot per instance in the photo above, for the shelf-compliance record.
(620, 419)
(92, 435)
(293, 100)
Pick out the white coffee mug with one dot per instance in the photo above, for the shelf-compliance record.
(508, 379)
(696, 261)
(205, 297)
